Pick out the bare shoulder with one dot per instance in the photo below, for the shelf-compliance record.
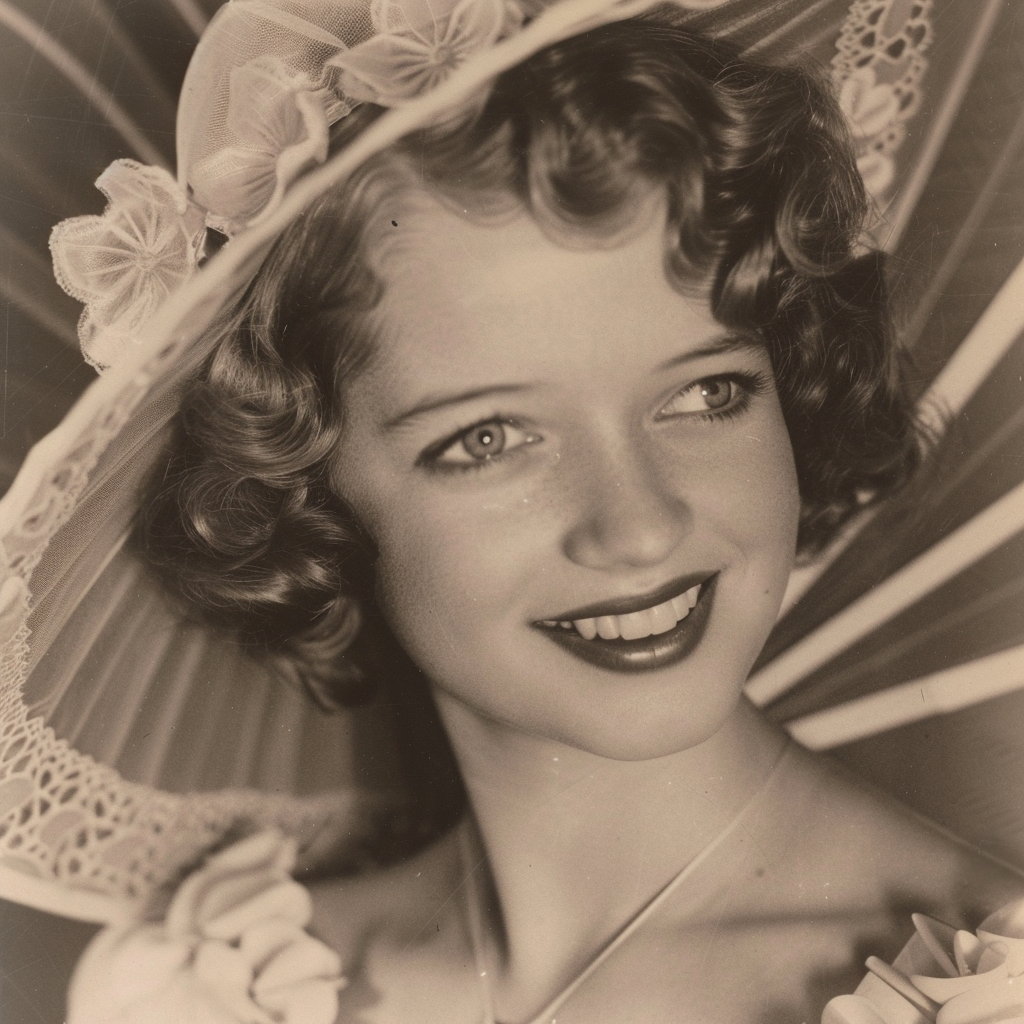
(874, 852)
(827, 872)
(399, 904)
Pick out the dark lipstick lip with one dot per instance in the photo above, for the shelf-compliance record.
(648, 654)
(625, 605)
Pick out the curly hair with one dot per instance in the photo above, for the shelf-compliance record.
(765, 210)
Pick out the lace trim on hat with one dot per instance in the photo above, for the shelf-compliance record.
(67, 818)
(878, 71)
(63, 816)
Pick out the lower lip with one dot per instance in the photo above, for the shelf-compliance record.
(648, 654)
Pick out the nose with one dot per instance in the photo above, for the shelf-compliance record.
(626, 513)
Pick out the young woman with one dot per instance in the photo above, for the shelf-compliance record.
(536, 408)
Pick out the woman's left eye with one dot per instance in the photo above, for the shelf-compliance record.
(709, 397)
(478, 445)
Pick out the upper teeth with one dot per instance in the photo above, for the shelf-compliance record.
(636, 625)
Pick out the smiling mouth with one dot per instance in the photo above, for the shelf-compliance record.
(636, 637)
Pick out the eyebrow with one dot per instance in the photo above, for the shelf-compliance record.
(722, 345)
(718, 346)
(433, 402)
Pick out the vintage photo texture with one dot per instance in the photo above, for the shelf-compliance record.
(898, 651)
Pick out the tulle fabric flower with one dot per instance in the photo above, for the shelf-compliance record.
(124, 263)
(232, 950)
(280, 120)
(418, 44)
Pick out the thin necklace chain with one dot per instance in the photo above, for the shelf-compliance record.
(474, 915)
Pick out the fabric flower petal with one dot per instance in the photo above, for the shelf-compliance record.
(421, 19)
(286, 899)
(473, 25)
(878, 172)
(279, 120)
(127, 182)
(304, 154)
(131, 961)
(261, 105)
(263, 940)
(999, 1001)
(386, 69)
(944, 989)
(426, 44)
(265, 855)
(1009, 949)
(136, 975)
(227, 977)
(234, 184)
(850, 1009)
(304, 959)
(308, 1002)
(870, 107)
(967, 950)
(1007, 921)
(123, 264)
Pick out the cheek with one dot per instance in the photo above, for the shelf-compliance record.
(447, 577)
(772, 504)
(771, 509)
(748, 493)
(779, 485)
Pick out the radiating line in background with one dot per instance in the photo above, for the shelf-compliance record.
(803, 577)
(937, 694)
(192, 14)
(787, 28)
(141, 67)
(967, 233)
(53, 52)
(19, 285)
(903, 204)
(979, 536)
(977, 355)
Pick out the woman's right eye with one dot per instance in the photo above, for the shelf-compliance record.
(477, 446)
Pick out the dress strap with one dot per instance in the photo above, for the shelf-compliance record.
(636, 922)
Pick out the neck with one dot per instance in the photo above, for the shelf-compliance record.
(576, 843)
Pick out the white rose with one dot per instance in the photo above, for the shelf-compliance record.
(973, 978)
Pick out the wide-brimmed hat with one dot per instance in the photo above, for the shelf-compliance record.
(132, 740)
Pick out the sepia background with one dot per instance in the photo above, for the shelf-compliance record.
(83, 82)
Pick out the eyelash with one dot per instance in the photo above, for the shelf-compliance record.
(749, 384)
(430, 459)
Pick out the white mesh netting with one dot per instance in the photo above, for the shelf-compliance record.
(303, 34)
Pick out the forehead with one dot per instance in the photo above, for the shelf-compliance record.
(460, 293)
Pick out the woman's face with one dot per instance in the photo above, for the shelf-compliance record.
(580, 485)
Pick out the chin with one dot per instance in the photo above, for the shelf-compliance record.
(651, 726)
